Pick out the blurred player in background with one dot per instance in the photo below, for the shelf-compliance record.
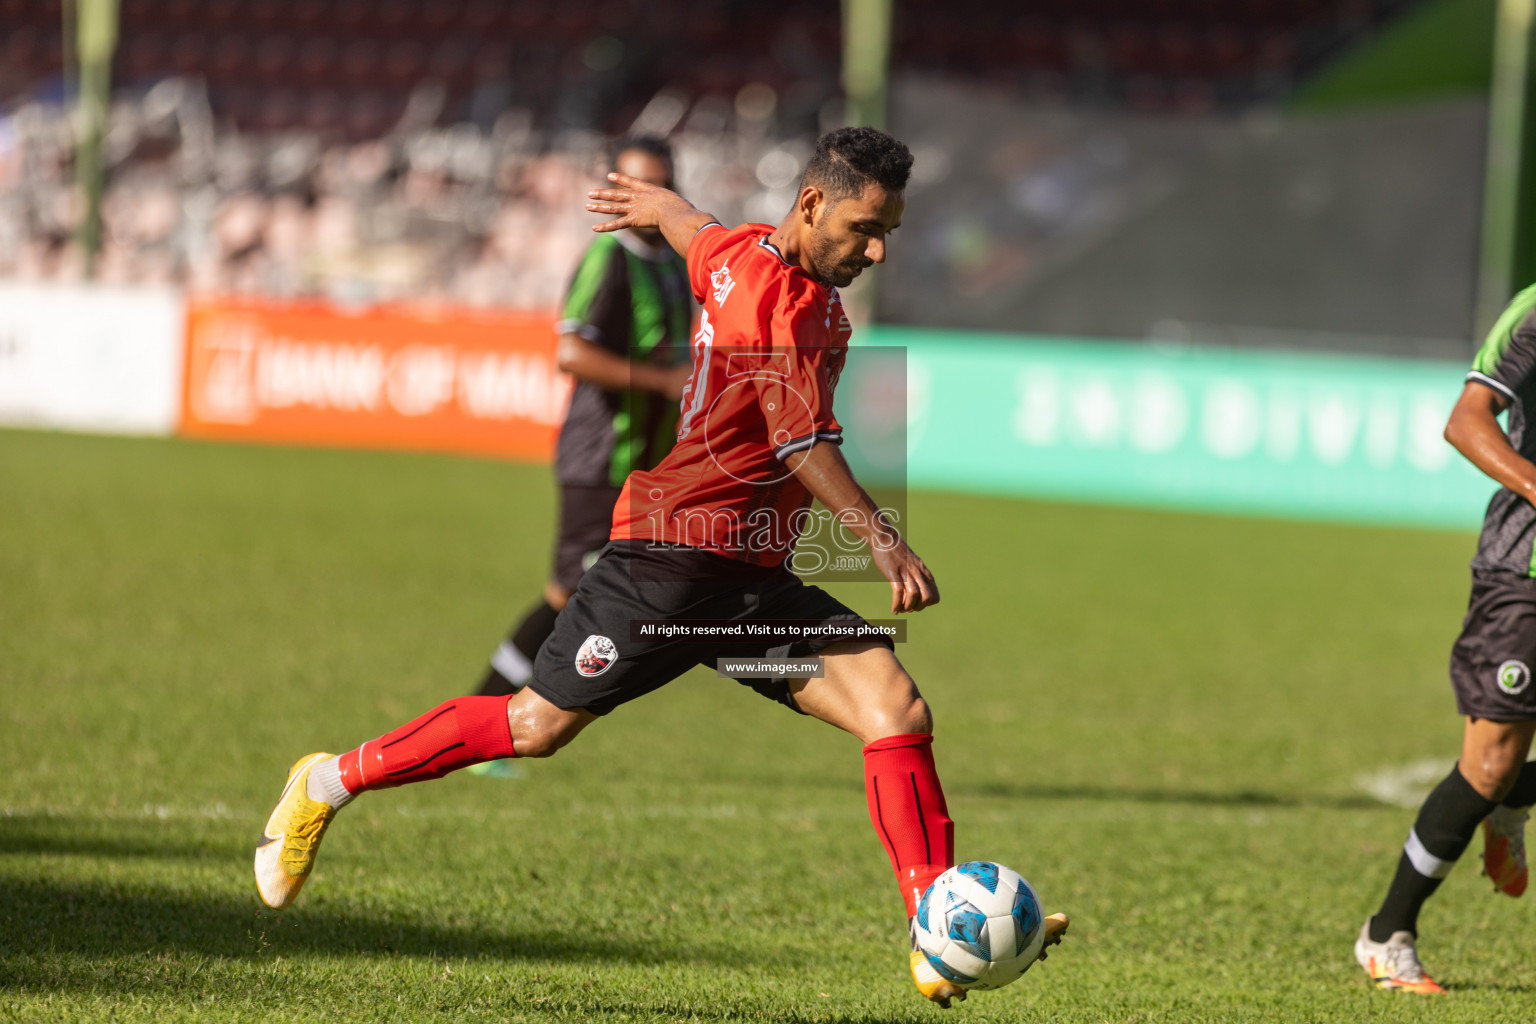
(1492, 784)
(756, 441)
(624, 337)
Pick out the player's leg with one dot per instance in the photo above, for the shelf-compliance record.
(580, 673)
(511, 664)
(1492, 756)
(1504, 859)
(453, 735)
(585, 519)
(1490, 676)
(866, 692)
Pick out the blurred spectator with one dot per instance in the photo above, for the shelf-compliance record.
(463, 214)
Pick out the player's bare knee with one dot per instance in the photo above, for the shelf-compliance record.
(536, 746)
(905, 709)
(896, 717)
(541, 738)
(538, 728)
(1493, 774)
(917, 717)
(1500, 777)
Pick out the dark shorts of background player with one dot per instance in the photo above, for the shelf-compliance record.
(586, 520)
(633, 581)
(1492, 659)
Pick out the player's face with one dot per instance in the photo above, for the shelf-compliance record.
(850, 234)
(650, 168)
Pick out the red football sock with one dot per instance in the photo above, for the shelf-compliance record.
(906, 805)
(455, 734)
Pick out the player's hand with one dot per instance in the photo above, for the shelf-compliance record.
(634, 203)
(913, 587)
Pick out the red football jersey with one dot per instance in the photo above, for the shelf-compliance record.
(770, 346)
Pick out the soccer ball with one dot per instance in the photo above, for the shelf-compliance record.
(980, 925)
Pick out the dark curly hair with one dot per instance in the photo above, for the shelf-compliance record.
(655, 145)
(848, 159)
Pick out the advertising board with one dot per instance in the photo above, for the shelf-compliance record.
(98, 359)
(463, 382)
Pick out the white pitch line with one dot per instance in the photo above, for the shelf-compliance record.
(1404, 785)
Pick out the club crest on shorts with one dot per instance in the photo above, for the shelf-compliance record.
(596, 656)
(1514, 676)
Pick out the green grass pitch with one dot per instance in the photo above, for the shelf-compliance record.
(1159, 719)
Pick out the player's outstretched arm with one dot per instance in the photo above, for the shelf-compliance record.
(826, 475)
(1474, 431)
(596, 365)
(639, 204)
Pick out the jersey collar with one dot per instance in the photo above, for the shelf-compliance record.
(764, 243)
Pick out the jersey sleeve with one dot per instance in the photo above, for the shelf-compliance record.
(708, 241)
(795, 388)
(1507, 359)
(597, 304)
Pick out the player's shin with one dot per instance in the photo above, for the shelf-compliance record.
(453, 735)
(1445, 825)
(907, 809)
(512, 662)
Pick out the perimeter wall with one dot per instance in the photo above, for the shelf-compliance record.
(1320, 436)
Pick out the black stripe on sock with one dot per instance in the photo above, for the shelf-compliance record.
(921, 824)
(1446, 822)
(880, 817)
(420, 727)
(419, 766)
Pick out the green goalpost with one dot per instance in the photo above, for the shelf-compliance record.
(95, 24)
(1507, 261)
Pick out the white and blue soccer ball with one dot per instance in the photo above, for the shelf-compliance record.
(980, 925)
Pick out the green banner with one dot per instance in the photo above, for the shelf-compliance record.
(1291, 434)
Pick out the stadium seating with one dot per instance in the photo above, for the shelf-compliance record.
(359, 59)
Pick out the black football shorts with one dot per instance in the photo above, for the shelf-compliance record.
(586, 520)
(1492, 659)
(592, 661)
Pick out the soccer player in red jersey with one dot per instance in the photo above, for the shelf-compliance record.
(706, 536)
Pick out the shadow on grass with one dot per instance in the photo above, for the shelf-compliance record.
(1199, 797)
(61, 935)
(1514, 988)
(628, 1010)
(113, 837)
(1100, 794)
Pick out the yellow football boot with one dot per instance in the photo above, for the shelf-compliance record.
(936, 987)
(932, 984)
(1055, 928)
(285, 853)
